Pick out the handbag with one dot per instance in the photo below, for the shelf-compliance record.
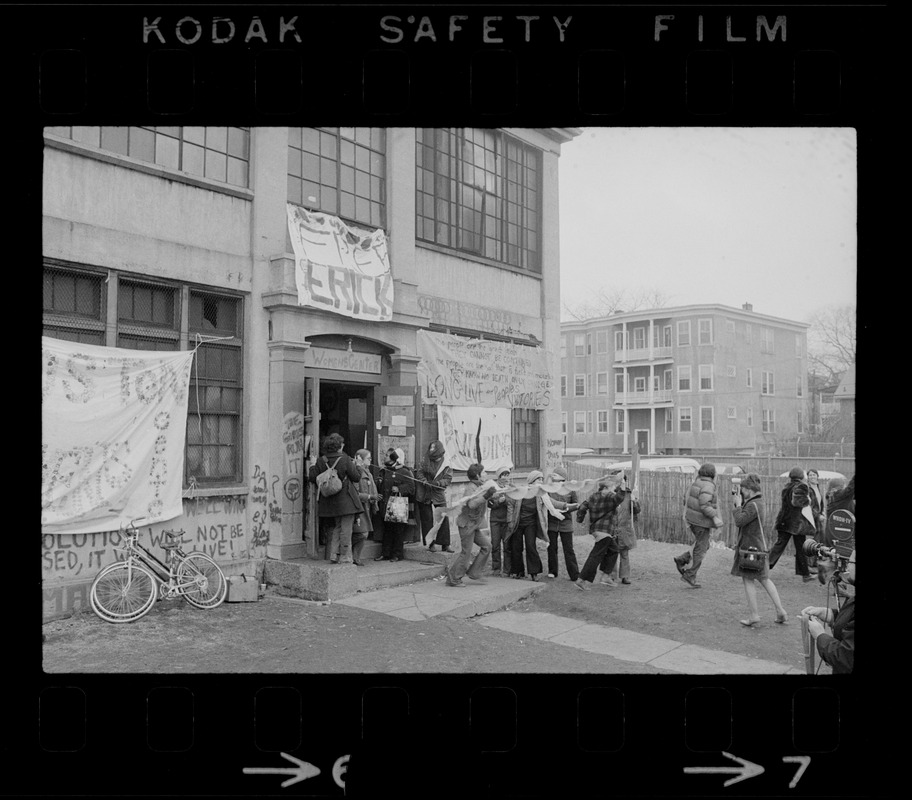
(396, 509)
(751, 559)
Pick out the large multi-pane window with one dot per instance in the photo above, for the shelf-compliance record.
(148, 317)
(340, 171)
(479, 190)
(525, 438)
(219, 153)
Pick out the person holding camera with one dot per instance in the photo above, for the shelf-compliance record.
(750, 559)
(836, 649)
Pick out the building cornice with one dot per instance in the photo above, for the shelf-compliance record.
(681, 311)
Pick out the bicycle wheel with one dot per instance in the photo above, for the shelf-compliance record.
(123, 592)
(208, 586)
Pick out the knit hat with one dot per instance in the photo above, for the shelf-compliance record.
(751, 481)
(559, 472)
(534, 475)
(504, 471)
(796, 474)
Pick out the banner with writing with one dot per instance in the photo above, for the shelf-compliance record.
(113, 428)
(458, 371)
(464, 430)
(339, 269)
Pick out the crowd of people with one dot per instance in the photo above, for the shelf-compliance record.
(505, 526)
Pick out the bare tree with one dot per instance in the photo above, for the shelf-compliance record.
(831, 342)
(612, 301)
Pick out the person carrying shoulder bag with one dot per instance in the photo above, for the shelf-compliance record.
(345, 504)
(752, 550)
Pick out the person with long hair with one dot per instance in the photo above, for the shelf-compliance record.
(367, 491)
(748, 517)
(528, 524)
(341, 508)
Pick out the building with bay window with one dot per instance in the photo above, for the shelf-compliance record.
(699, 379)
(174, 238)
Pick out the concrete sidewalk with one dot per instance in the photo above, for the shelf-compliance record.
(421, 601)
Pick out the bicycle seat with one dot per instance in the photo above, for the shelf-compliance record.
(170, 545)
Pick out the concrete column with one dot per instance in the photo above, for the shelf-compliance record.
(550, 418)
(404, 369)
(400, 216)
(285, 421)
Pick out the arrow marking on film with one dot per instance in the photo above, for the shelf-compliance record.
(804, 761)
(302, 772)
(747, 769)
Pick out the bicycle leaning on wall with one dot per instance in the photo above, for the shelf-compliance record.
(126, 590)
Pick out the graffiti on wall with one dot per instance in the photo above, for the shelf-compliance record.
(216, 526)
(553, 451)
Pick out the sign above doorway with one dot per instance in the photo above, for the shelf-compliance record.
(342, 360)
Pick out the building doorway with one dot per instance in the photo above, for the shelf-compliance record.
(642, 441)
(347, 409)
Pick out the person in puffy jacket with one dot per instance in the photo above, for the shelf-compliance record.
(701, 514)
(795, 520)
(343, 506)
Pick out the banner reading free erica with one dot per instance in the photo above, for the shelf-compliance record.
(338, 269)
(113, 428)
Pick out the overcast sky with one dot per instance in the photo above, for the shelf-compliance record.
(711, 215)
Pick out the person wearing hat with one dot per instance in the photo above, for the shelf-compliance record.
(432, 477)
(701, 513)
(795, 521)
(528, 524)
(470, 523)
(748, 517)
(395, 479)
(601, 506)
(499, 524)
(836, 649)
(562, 528)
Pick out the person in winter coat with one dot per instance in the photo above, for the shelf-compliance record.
(562, 528)
(838, 649)
(470, 522)
(601, 506)
(701, 514)
(794, 521)
(616, 563)
(395, 480)
(499, 523)
(367, 491)
(528, 524)
(748, 516)
(343, 506)
(433, 475)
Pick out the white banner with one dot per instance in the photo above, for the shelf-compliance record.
(113, 427)
(464, 429)
(338, 269)
(458, 371)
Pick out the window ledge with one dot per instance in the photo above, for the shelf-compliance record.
(69, 146)
(215, 491)
(490, 262)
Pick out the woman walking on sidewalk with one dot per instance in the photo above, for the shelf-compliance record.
(748, 517)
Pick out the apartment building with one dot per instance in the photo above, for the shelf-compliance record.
(173, 238)
(703, 379)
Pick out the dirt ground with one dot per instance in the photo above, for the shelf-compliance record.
(284, 635)
(659, 603)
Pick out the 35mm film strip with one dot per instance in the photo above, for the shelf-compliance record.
(182, 726)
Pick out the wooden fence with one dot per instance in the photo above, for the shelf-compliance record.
(661, 496)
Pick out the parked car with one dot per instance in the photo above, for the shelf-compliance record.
(728, 469)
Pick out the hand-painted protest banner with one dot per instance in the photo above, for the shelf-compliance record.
(457, 371)
(338, 269)
(464, 430)
(113, 427)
